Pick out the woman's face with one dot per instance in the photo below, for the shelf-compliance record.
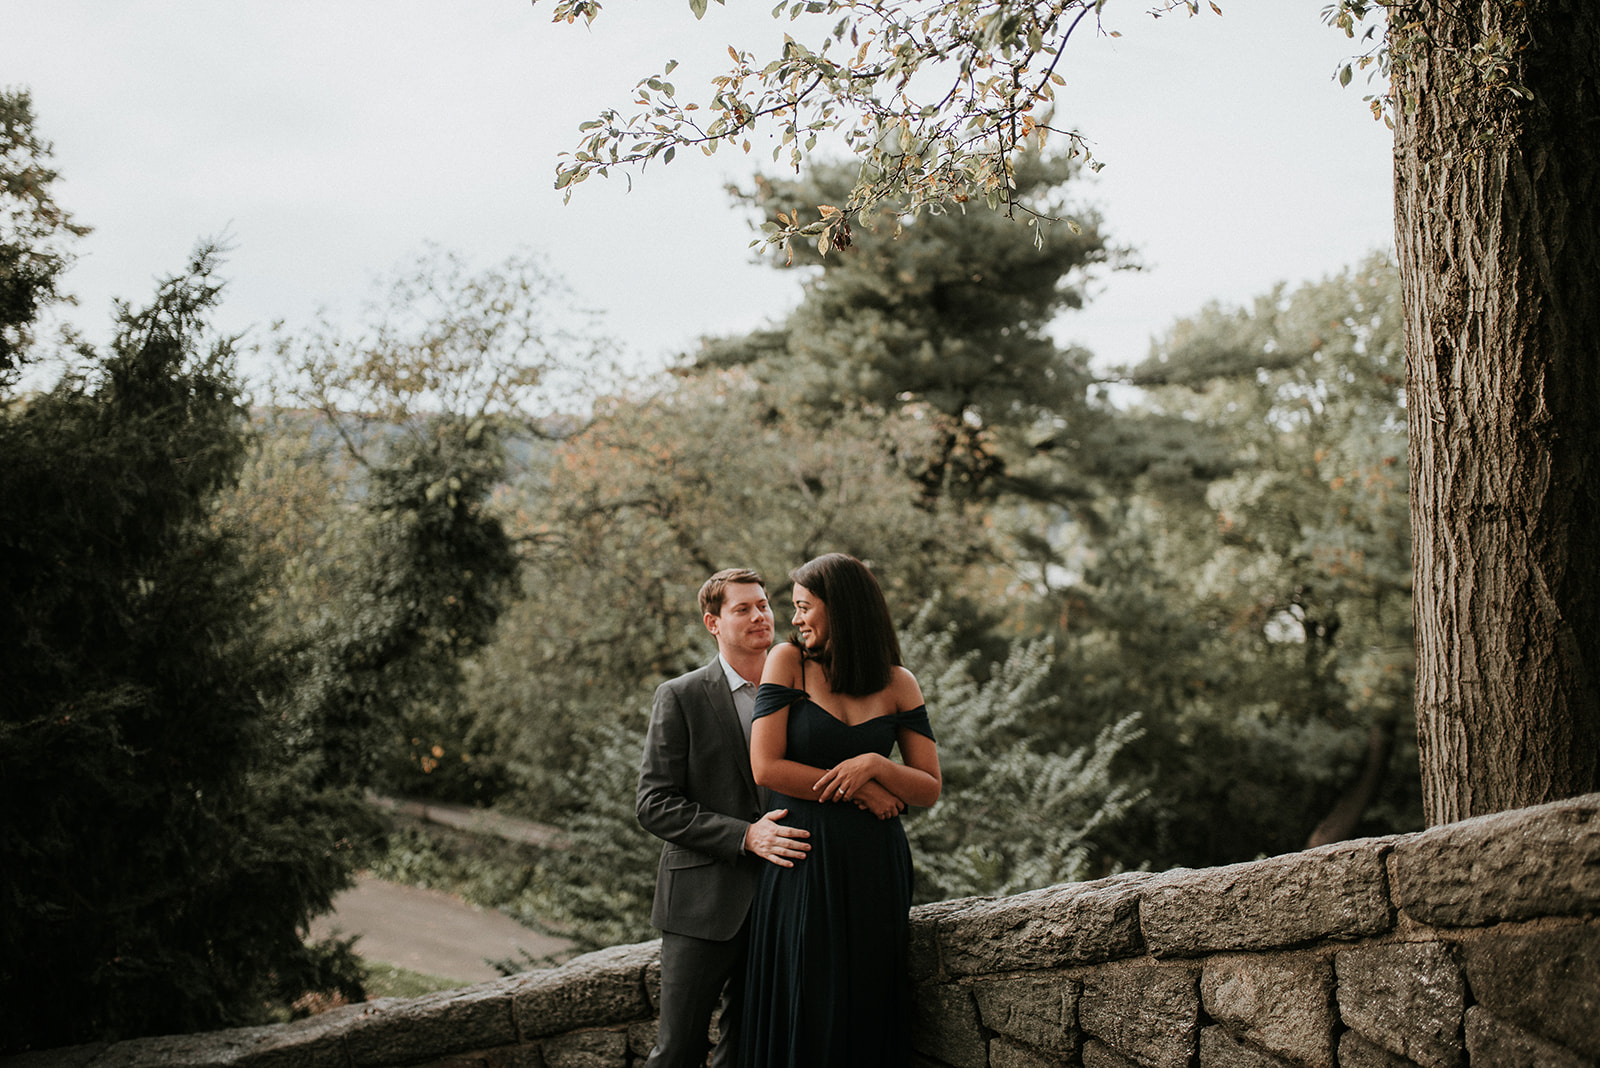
(810, 618)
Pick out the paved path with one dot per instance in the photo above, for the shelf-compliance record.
(429, 931)
(478, 821)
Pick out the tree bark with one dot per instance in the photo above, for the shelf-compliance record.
(1498, 237)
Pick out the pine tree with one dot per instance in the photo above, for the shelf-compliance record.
(163, 863)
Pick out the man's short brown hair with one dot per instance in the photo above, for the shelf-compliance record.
(711, 592)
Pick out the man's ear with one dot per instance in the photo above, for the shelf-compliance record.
(710, 622)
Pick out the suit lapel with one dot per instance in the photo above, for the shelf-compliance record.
(720, 701)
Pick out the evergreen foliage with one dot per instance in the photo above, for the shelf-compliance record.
(379, 678)
(32, 227)
(163, 862)
(422, 401)
(1016, 813)
(597, 890)
(1257, 605)
(945, 317)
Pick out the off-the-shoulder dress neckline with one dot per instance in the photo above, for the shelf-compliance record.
(844, 722)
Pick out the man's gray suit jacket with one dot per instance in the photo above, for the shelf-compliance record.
(697, 793)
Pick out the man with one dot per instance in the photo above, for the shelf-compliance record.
(697, 793)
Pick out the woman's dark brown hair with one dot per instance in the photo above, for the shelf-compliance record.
(861, 646)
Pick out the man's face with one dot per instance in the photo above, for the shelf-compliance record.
(745, 622)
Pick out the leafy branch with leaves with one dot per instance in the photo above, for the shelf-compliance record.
(1487, 63)
(937, 100)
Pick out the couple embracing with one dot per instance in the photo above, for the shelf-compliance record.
(785, 881)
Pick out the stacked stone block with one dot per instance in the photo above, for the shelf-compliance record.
(1474, 945)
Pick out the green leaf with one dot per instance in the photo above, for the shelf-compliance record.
(1344, 76)
(698, 7)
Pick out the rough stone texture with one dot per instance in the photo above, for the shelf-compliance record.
(587, 1049)
(1408, 998)
(923, 952)
(1541, 861)
(1337, 891)
(652, 977)
(589, 991)
(315, 1042)
(1218, 1049)
(1492, 1041)
(1357, 1052)
(404, 1031)
(517, 1057)
(945, 1025)
(1097, 1054)
(1546, 982)
(642, 1038)
(506, 1057)
(1280, 1004)
(1039, 1011)
(1148, 1011)
(1004, 1053)
(1077, 923)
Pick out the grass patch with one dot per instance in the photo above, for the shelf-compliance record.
(389, 981)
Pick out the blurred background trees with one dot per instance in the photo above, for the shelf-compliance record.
(1252, 592)
(1161, 613)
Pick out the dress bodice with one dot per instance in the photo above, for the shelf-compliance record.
(816, 737)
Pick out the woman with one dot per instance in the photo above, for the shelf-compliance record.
(826, 985)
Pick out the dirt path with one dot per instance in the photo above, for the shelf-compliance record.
(429, 931)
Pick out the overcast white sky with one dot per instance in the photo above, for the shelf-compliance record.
(332, 139)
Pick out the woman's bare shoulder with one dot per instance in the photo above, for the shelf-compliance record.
(783, 665)
(903, 685)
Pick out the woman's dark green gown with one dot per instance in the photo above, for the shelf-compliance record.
(826, 985)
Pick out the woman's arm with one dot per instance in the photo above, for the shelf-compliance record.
(916, 781)
(873, 798)
(768, 742)
(769, 735)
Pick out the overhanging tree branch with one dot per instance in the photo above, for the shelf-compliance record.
(918, 151)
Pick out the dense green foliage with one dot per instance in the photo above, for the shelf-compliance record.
(946, 319)
(380, 673)
(198, 692)
(32, 229)
(1015, 814)
(1252, 592)
(163, 862)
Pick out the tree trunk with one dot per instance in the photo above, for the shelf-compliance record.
(1498, 237)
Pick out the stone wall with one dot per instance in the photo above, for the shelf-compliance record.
(1473, 944)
